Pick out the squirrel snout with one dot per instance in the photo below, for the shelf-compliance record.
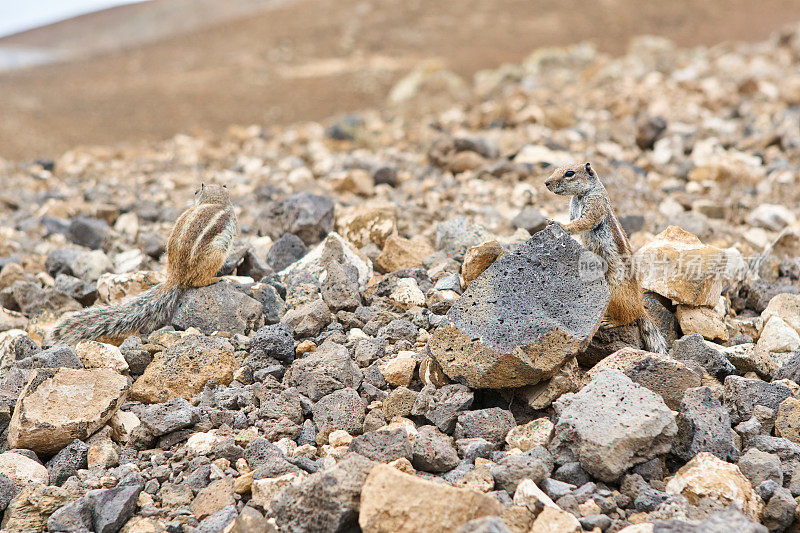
(549, 182)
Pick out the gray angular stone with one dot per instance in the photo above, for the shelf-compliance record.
(525, 316)
(273, 306)
(258, 451)
(218, 521)
(434, 451)
(443, 406)
(704, 425)
(271, 342)
(779, 513)
(326, 370)
(175, 414)
(111, 508)
(790, 369)
(59, 356)
(135, 355)
(327, 501)
(75, 516)
(341, 409)
(492, 424)
(217, 307)
(285, 251)
(308, 319)
(32, 299)
(535, 464)
(383, 445)
(88, 232)
(306, 215)
(399, 330)
(454, 236)
(741, 395)
(611, 425)
(694, 348)
(758, 466)
(82, 291)
(341, 289)
(283, 404)
(723, 522)
(571, 472)
(60, 261)
(530, 219)
(7, 491)
(67, 462)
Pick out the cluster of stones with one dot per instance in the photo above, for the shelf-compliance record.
(409, 347)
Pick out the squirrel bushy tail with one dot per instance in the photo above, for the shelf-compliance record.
(651, 335)
(145, 313)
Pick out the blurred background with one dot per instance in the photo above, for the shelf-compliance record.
(76, 72)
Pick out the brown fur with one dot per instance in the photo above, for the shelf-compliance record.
(592, 217)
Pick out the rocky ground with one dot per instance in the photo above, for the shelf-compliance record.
(401, 342)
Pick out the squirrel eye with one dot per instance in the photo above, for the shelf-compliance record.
(569, 173)
(195, 193)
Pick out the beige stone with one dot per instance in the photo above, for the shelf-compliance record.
(712, 484)
(30, 509)
(213, 498)
(102, 455)
(266, 490)
(121, 424)
(535, 433)
(554, 520)
(399, 370)
(528, 494)
(778, 336)
(703, 320)
(10, 273)
(183, 369)
(542, 395)
(356, 181)
(785, 306)
(114, 288)
(677, 265)
(399, 253)
(667, 377)
(407, 294)
(787, 423)
(60, 405)
(363, 225)
(12, 320)
(395, 502)
(479, 258)
(100, 355)
(22, 470)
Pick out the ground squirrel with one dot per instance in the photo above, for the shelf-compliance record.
(197, 248)
(592, 216)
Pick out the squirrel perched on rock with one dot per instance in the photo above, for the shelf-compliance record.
(592, 217)
(197, 248)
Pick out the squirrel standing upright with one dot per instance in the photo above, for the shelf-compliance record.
(592, 217)
(197, 248)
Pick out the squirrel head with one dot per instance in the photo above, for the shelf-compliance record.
(572, 180)
(212, 194)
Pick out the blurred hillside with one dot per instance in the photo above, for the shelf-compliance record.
(148, 71)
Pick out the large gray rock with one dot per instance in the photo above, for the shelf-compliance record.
(326, 502)
(306, 215)
(524, 316)
(67, 462)
(704, 426)
(454, 236)
(433, 451)
(694, 348)
(163, 418)
(217, 307)
(383, 445)
(273, 342)
(442, 406)
(535, 464)
(328, 369)
(492, 424)
(611, 425)
(341, 409)
(741, 395)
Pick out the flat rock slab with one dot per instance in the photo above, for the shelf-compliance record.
(60, 405)
(525, 315)
(217, 307)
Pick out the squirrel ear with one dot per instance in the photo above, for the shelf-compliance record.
(202, 186)
(588, 168)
